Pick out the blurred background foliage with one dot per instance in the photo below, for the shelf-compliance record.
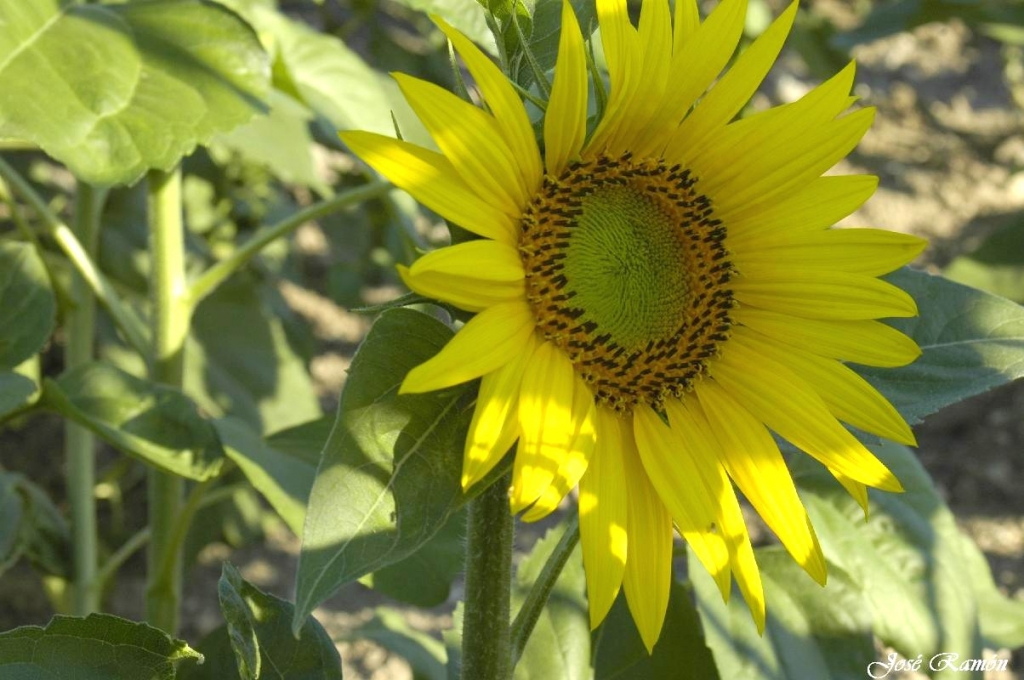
(329, 64)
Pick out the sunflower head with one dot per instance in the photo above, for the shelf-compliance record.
(657, 293)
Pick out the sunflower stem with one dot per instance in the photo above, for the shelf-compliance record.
(485, 628)
(79, 443)
(171, 316)
(537, 598)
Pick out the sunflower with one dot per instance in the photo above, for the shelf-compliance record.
(656, 293)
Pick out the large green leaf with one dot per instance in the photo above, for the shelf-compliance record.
(27, 303)
(560, 644)
(113, 90)
(680, 653)
(971, 342)
(424, 579)
(282, 468)
(280, 141)
(547, 26)
(811, 632)
(98, 647)
(906, 560)
(389, 475)
(322, 72)
(155, 423)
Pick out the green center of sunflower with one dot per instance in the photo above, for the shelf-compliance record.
(624, 259)
(627, 273)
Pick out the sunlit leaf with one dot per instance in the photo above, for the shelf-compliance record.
(155, 423)
(389, 476)
(115, 89)
(98, 647)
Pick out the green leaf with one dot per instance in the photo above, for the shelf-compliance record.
(280, 141)
(281, 468)
(240, 361)
(258, 627)
(323, 73)
(424, 579)
(547, 26)
(468, 16)
(997, 266)
(27, 304)
(159, 77)
(98, 647)
(155, 423)
(906, 560)
(971, 342)
(425, 655)
(811, 632)
(559, 646)
(389, 475)
(16, 391)
(680, 653)
(32, 527)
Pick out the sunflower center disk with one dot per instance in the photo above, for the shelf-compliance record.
(626, 272)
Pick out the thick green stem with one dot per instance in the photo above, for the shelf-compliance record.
(218, 273)
(171, 316)
(537, 598)
(125, 318)
(486, 651)
(79, 443)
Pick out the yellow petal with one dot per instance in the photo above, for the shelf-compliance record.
(504, 103)
(603, 512)
(433, 181)
(871, 252)
(701, 58)
(550, 420)
(488, 341)
(738, 85)
(754, 462)
(471, 139)
(688, 420)
(858, 491)
(472, 275)
(654, 38)
(770, 171)
(848, 396)
(565, 122)
(820, 204)
(622, 54)
(694, 505)
(786, 403)
(577, 456)
(822, 295)
(495, 424)
(871, 343)
(684, 24)
(648, 577)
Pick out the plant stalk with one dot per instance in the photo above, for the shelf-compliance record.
(218, 273)
(171, 317)
(486, 650)
(79, 443)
